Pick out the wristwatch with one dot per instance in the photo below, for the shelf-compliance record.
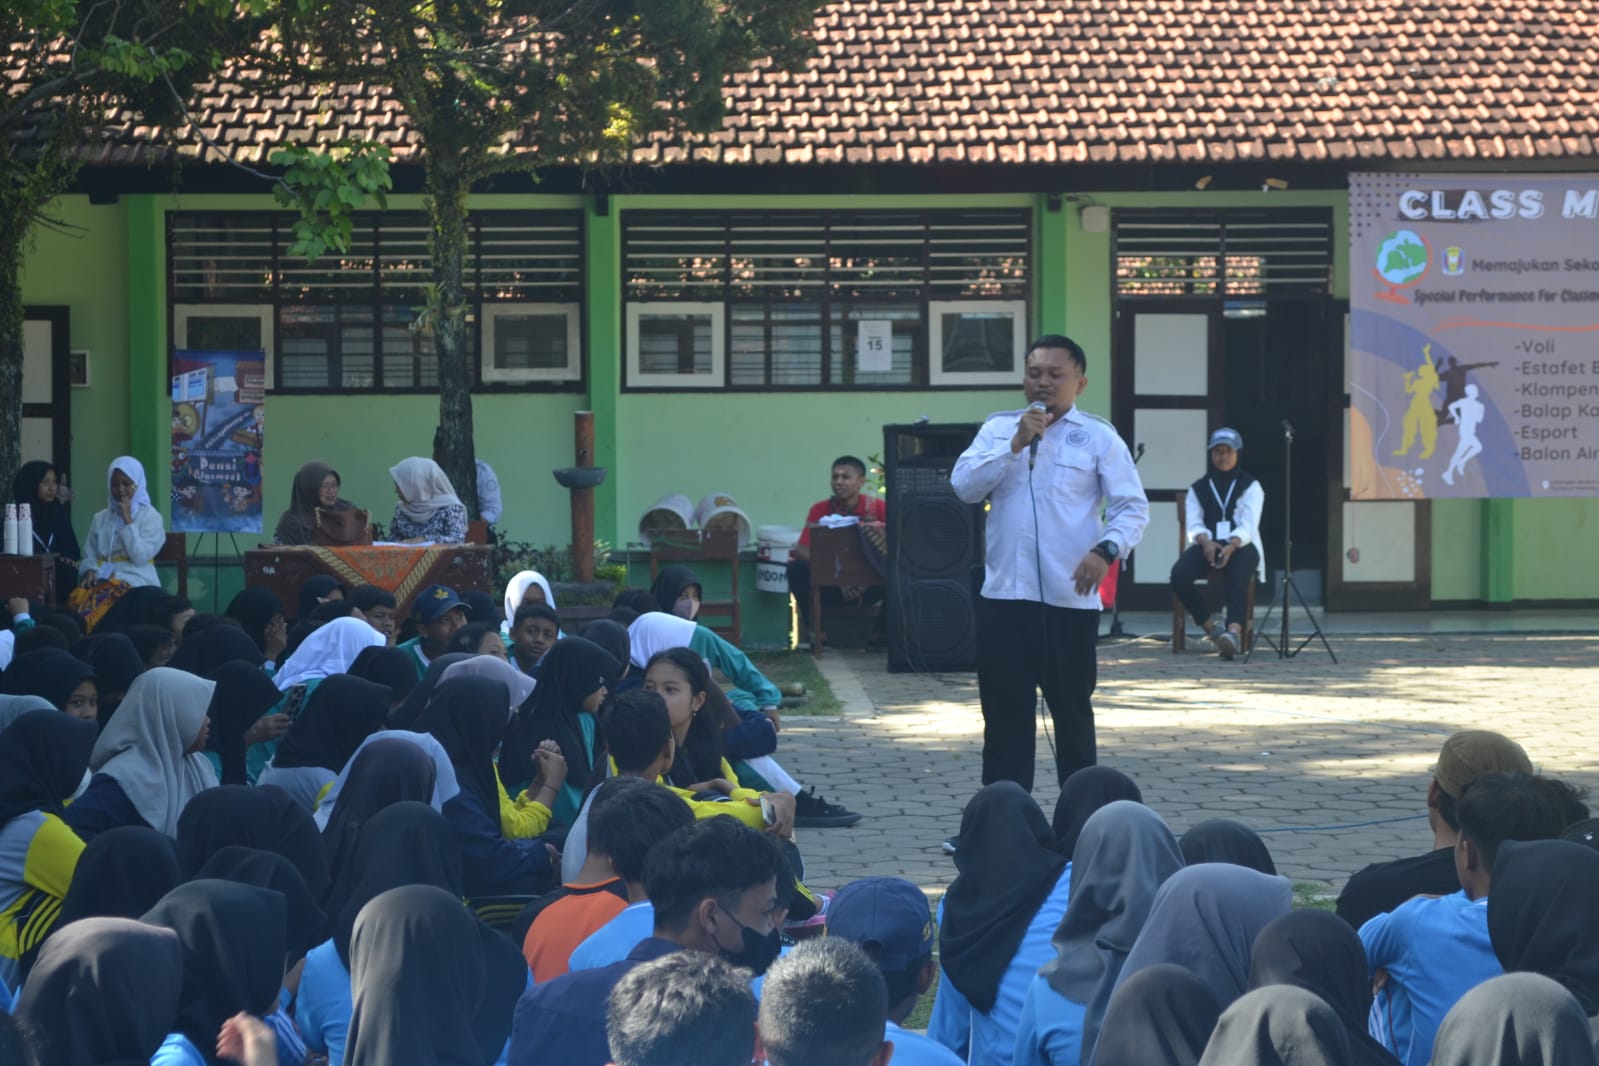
(1107, 550)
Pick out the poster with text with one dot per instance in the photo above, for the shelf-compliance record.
(218, 421)
(1474, 335)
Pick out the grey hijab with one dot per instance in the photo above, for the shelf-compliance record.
(1205, 919)
(1520, 1019)
(1123, 855)
(1280, 1025)
(14, 707)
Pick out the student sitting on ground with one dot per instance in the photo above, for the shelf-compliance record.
(1429, 952)
(479, 638)
(627, 817)
(438, 613)
(534, 630)
(679, 1009)
(825, 1002)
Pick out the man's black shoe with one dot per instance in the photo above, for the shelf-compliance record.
(813, 812)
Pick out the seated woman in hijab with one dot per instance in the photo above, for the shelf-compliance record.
(123, 541)
(43, 756)
(316, 484)
(1223, 511)
(573, 682)
(70, 684)
(39, 485)
(529, 815)
(338, 716)
(527, 587)
(328, 650)
(429, 512)
(260, 614)
(149, 762)
(116, 663)
(1008, 897)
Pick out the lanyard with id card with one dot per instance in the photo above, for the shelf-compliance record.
(1224, 528)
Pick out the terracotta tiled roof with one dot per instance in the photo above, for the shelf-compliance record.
(1098, 81)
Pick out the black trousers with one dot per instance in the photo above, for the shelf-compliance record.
(1239, 572)
(1023, 646)
(799, 583)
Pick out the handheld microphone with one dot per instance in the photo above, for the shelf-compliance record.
(1032, 449)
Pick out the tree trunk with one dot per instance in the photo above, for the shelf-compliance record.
(447, 187)
(11, 245)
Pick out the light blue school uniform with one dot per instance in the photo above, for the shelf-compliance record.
(176, 1050)
(324, 1003)
(914, 1049)
(990, 1039)
(613, 941)
(1051, 1032)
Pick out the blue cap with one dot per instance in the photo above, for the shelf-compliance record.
(1229, 437)
(433, 602)
(888, 916)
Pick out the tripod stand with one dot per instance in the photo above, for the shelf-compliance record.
(1280, 645)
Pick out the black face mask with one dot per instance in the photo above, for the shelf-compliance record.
(757, 952)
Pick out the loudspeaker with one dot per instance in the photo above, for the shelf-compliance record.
(935, 550)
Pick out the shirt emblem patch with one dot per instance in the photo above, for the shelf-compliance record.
(1077, 438)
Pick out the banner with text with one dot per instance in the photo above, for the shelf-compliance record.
(218, 418)
(1474, 335)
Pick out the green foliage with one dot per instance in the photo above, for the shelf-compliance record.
(554, 561)
(327, 186)
(876, 480)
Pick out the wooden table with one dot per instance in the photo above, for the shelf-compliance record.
(32, 577)
(402, 571)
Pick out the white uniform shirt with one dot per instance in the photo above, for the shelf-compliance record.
(1246, 520)
(1081, 462)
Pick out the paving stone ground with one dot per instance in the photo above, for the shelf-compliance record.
(1329, 761)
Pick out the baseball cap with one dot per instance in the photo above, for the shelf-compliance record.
(433, 601)
(888, 915)
(1230, 437)
(1472, 753)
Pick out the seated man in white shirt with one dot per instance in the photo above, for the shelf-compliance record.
(489, 506)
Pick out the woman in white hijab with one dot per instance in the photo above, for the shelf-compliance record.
(329, 650)
(125, 538)
(516, 594)
(429, 512)
(151, 753)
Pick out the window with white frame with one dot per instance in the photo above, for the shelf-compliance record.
(224, 327)
(940, 296)
(350, 321)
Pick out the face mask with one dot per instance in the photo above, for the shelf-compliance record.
(685, 608)
(757, 952)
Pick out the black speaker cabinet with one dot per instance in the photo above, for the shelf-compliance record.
(935, 550)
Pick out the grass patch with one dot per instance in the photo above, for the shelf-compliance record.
(789, 667)
(923, 1013)
(1311, 894)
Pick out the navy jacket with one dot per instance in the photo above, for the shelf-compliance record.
(490, 864)
(564, 1020)
(102, 806)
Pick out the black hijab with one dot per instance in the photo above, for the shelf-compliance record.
(409, 843)
(341, 712)
(1007, 866)
(387, 666)
(133, 609)
(52, 523)
(385, 772)
(1279, 1025)
(1162, 1016)
(454, 1008)
(115, 661)
(670, 584)
(234, 941)
(1318, 951)
(570, 672)
(1224, 840)
(103, 993)
(203, 653)
(306, 926)
(49, 673)
(1083, 793)
(42, 762)
(480, 607)
(1543, 914)
(254, 608)
(243, 694)
(314, 589)
(267, 818)
(122, 873)
(1221, 486)
(405, 716)
(467, 716)
(612, 636)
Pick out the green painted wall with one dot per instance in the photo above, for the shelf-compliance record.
(769, 451)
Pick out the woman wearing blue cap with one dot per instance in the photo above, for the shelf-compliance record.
(1223, 513)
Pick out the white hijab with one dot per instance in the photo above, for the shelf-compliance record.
(329, 650)
(141, 491)
(144, 744)
(516, 588)
(425, 486)
(658, 631)
(445, 786)
(518, 684)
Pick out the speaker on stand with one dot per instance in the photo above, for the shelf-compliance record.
(935, 550)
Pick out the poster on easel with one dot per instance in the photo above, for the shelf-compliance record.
(218, 427)
(1474, 336)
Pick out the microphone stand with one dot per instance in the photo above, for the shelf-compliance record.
(1116, 630)
(1280, 645)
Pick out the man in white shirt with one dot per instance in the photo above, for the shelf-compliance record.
(489, 507)
(1046, 472)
